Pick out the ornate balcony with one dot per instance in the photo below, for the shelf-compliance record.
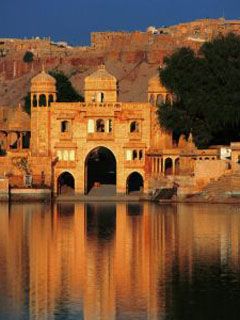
(100, 136)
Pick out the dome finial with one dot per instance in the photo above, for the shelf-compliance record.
(43, 67)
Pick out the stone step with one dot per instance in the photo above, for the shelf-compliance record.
(103, 190)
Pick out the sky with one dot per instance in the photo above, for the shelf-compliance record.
(74, 20)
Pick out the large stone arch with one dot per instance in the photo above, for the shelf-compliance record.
(100, 168)
(65, 183)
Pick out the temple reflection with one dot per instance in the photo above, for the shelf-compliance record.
(108, 261)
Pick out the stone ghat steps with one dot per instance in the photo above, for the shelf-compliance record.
(103, 190)
(103, 193)
(221, 188)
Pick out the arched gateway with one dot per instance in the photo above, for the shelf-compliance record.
(100, 171)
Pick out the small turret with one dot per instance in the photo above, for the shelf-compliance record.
(100, 86)
(43, 90)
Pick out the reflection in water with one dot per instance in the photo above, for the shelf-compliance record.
(119, 261)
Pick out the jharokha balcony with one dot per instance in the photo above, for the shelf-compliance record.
(66, 136)
(66, 164)
(131, 164)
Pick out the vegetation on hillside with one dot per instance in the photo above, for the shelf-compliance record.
(65, 91)
(28, 57)
(206, 86)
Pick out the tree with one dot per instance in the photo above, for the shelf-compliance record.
(28, 57)
(207, 89)
(65, 91)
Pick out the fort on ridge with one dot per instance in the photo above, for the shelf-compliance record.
(108, 141)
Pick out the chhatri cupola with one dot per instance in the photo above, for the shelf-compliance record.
(157, 93)
(100, 86)
(43, 90)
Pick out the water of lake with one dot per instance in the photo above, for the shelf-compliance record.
(119, 261)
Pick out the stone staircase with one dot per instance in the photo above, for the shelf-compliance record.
(226, 187)
(103, 191)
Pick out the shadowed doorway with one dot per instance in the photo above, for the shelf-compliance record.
(66, 183)
(100, 172)
(134, 183)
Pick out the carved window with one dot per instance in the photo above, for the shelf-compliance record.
(152, 99)
(134, 154)
(128, 155)
(65, 155)
(65, 126)
(160, 99)
(71, 155)
(34, 100)
(59, 155)
(101, 97)
(100, 125)
(134, 126)
(50, 99)
(90, 127)
(42, 100)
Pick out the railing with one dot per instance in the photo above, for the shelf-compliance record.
(100, 136)
(64, 164)
(66, 136)
(135, 136)
(134, 163)
(101, 105)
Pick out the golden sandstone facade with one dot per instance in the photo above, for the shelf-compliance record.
(101, 143)
(73, 135)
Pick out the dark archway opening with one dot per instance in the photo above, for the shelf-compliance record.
(168, 166)
(100, 168)
(134, 183)
(66, 183)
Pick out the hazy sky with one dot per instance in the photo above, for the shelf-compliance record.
(73, 20)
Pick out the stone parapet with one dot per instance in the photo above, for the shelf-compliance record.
(30, 194)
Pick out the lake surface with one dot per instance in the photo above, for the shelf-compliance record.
(119, 261)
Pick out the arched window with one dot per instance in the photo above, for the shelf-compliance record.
(152, 99)
(140, 154)
(100, 125)
(65, 126)
(160, 99)
(101, 97)
(108, 125)
(50, 99)
(177, 166)
(42, 100)
(168, 166)
(71, 155)
(90, 126)
(135, 155)
(34, 102)
(59, 155)
(65, 155)
(134, 126)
